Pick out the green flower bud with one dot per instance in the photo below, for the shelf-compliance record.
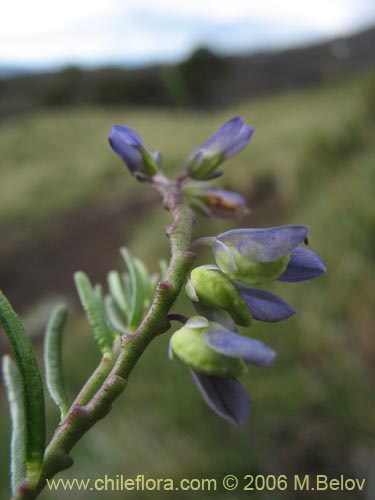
(210, 287)
(187, 344)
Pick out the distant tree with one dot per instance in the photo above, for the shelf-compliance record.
(200, 73)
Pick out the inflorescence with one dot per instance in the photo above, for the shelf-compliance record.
(223, 294)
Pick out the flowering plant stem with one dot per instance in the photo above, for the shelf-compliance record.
(110, 378)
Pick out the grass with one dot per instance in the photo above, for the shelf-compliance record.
(312, 411)
(55, 162)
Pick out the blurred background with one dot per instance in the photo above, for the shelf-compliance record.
(303, 74)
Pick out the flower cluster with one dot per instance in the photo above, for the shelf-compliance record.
(201, 166)
(223, 294)
(209, 344)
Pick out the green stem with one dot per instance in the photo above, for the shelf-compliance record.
(95, 381)
(90, 406)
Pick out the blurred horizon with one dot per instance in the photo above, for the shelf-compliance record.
(147, 33)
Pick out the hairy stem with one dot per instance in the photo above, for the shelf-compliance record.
(90, 406)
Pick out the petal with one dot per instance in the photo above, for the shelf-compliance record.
(237, 346)
(242, 140)
(126, 147)
(223, 203)
(223, 138)
(265, 306)
(225, 396)
(265, 245)
(127, 135)
(303, 265)
(229, 140)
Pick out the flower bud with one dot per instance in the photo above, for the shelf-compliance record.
(255, 256)
(211, 200)
(229, 140)
(210, 287)
(188, 345)
(129, 146)
(246, 270)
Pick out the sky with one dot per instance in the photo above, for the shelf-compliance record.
(137, 32)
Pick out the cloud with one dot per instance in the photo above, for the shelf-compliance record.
(140, 31)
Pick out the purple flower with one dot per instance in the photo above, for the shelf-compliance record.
(255, 256)
(207, 348)
(211, 200)
(129, 145)
(213, 293)
(229, 140)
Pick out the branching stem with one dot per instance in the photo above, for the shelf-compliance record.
(108, 381)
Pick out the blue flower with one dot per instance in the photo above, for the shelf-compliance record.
(254, 256)
(129, 145)
(212, 293)
(214, 355)
(229, 140)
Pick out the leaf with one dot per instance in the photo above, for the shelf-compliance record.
(127, 287)
(33, 396)
(94, 313)
(53, 358)
(137, 295)
(145, 280)
(112, 314)
(13, 385)
(98, 290)
(117, 291)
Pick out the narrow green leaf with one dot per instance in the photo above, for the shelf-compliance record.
(94, 313)
(98, 289)
(53, 358)
(118, 294)
(127, 287)
(13, 385)
(146, 283)
(143, 271)
(113, 315)
(150, 282)
(33, 397)
(137, 301)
